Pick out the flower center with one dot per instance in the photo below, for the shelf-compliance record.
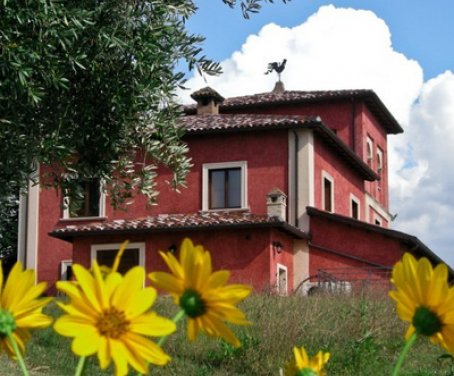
(426, 322)
(192, 303)
(112, 323)
(306, 372)
(7, 323)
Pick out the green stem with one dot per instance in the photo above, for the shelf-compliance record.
(176, 318)
(20, 360)
(404, 353)
(80, 366)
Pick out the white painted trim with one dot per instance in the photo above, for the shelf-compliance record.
(102, 207)
(284, 268)
(380, 164)
(95, 248)
(64, 268)
(372, 203)
(291, 199)
(306, 176)
(369, 149)
(358, 202)
(206, 167)
(328, 177)
(30, 243)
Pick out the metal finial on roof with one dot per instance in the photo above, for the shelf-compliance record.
(277, 67)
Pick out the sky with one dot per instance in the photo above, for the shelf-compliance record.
(401, 49)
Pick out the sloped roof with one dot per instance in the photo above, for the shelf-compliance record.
(270, 99)
(202, 124)
(177, 222)
(418, 247)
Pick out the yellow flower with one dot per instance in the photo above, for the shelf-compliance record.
(303, 366)
(424, 299)
(108, 316)
(20, 307)
(203, 295)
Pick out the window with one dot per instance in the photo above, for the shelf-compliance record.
(66, 270)
(354, 207)
(91, 202)
(282, 279)
(369, 148)
(224, 186)
(379, 160)
(377, 221)
(134, 255)
(327, 192)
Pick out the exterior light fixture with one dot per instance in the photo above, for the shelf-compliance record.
(277, 247)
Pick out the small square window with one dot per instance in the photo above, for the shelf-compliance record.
(224, 186)
(134, 255)
(90, 202)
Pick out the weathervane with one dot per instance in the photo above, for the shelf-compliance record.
(278, 67)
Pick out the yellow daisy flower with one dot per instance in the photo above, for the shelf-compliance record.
(203, 295)
(424, 299)
(108, 316)
(303, 366)
(20, 307)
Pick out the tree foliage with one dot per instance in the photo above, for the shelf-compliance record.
(88, 86)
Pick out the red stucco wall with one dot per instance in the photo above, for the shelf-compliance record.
(372, 128)
(356, 242)
(337, 115)
(346, 180)
(245, 253)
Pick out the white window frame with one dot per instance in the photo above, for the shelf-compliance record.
(95, 248)
(379, 160)
(327, 176)
(284, 268)
(64, 268)
(355, 199)
(369, 149)
(206, 167)
(102, 207)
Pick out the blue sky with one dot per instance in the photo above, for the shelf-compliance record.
(401, 49)
(421, 29)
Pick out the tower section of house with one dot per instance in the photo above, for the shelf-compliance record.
(286, 188)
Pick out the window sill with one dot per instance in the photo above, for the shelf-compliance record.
(225, 210)
(82, 219)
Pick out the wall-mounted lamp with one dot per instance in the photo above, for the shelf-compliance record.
(277, 247)
(172, 249)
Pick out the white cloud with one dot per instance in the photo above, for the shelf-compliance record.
(427, 208)
(339, 48)
(335, 48)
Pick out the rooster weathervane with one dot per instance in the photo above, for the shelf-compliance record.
(277, 67)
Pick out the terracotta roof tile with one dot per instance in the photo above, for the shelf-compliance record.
(200, 124)
(163, 222)
(294, 97)
(197, 123)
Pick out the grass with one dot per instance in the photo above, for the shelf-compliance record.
(362, 333)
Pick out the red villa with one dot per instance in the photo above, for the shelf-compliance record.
(287, 189)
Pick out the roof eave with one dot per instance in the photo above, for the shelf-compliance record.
(418, 246)
(284, 226)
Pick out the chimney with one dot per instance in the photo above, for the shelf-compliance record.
(276, 204)
(207, 101)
